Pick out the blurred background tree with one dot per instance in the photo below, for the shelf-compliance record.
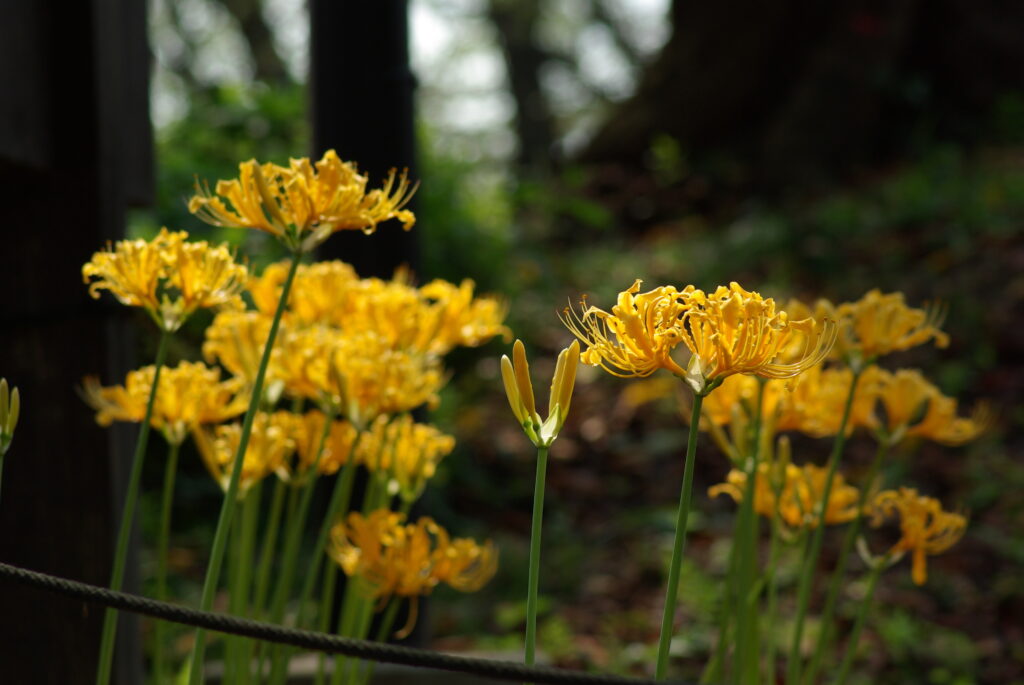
(809, 149)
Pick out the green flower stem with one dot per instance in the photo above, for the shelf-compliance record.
(269, 544)
(339, 502)
(535, 535)
(234, 560)
(127, 516)
(858, 626)
(163, 542)
(360, 626)
(227, 507)
(810, 559)
(840, 571)
(713, 669)
(745, 599)
(773, 587)
(292, 505)
(243, 586)
(383, 631)
(679, 543)
(296, 523)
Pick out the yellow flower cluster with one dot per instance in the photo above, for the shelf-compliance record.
(432, 319)
(168, 276)
(408, 560)
(915, 407)
(795, 492)
(190, 394)
(270, 445)
(405, 452)
(306, 431)
(302, 204)
(925, 528)
(878, 324)
(727, 332)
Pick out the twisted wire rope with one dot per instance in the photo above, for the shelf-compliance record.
(311, 640)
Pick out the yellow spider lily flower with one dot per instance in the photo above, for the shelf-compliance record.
(914, 406)
(405, 452)
(358, 373)
(455, 318)
(236, 341)
(270, 445)
(408, 560)
(800, 493)
(737, 331)
(306, 431)
(169, 276)
(10, 408)
(636, 338)
(189, 395)
(303, 206)
(519, 390)
(926, 529)
(878, 324)
(813, 402)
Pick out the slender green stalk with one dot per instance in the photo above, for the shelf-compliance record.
(773, 587)
(747, 651)
(383, 631)
(339, 502)
(535, 534)
(127, 516)
(862, 612)
(840, 571)
(269, 544)
(713, 669)
(810, 560)
(293, 535)
(163, 542)
(679, 543)
(227, 508)
(243, 585)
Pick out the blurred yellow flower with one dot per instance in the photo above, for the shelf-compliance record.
(405, 452)
(318, 292)
(408, 560)
(926, 529)
(813, 402)
(800, 490)
(269, 447)
(306, 431)
(880, 323)
(236, 340)
(169, 276)
(358, 373)
(455, 318)
(637, 337)
(189, 395)
(302, 205)
(737, 331)
(519, 390)
(914, 406)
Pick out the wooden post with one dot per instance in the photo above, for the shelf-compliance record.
(75, 148)
(362, 106)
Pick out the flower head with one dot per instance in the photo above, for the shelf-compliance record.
(637, 337)
(408, 560)
(270, 445)
(519, 390)
(358, 372)
(236, 341)
(190, 394)
(302, 205)
(306, 431)
(737, 331)
(406, 453)
(10, 408)
(925, 528)
(169, 276)
(796, 495)
(880, 323)
(813, 402)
